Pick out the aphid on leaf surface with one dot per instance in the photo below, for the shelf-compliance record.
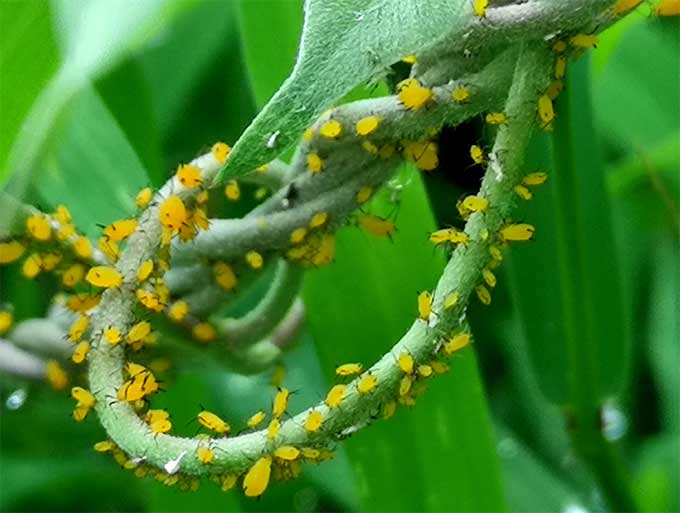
(422, 153)
(367, 384)
(138, 331)
(335, 396)
(475, 204)
(479, 7)
(314, 163)
(173, 213)
(534, 179)
(545, 110)
(11, 251)
(80, 352)
(483, 294)
(460, 94)
(376, 225)
(495, 118)
(517, 232)
(318, 220)
(254, 259)
(584, 40)
(205, 454)
(82, 248)
(232, 190)
(224, 275)
(451, 300)
(280, 402)
(623, 6)
(489, 277)
(38, 227)
(144, 270)
(78, 328)
(331, 129)
(204, 332)
(298, 235)
(406, 363)
(364, 194)
(178, 311)
(287, 452)
(55, 375)
(144, 197)
(189, 176)
(450, 235)
(367, 125)
(273, 429)
(523, 192)
(73, 275)
(120, 230)
(456, 343)
(477, 154)
(220, 151)
(256, 419)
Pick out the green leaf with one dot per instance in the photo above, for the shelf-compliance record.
(344, 42)
(442, 450)
(95, 36)
(28, 58)
(567, 283)
(270, 31)
(93, 170)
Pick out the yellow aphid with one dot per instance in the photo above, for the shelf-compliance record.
(78, 328)
(55, 375)
(73, 275)
(104, 276)
(109, 248)
(298, 235)
(318, 220)
(451, 300)
(178, 311)
(495, 253)
(280, 402)
(50, 261)
(475, 204)
(584, 40)
(456, 343)
(560, 67)
(479, 7)
(220, 151)
(623, 6)
(83, 302)
(367, 384)
(287, 453)
(11, 251)
(330, 129)
(83, 396)
(413, 95)
(254, 259)
(559, 46)
(260, 193)
(204, 332)
(489, 277)
(406, 363)
(545, 109)
(483, 294)
(173, 213)
(477, 154)
(370, 147)
(423, 154)
(533, 179)
(409, 59)
(32, 266)
(349, 369)
(460, 94)
(335, 396)
(158, 420)
(80, 413)
(138, 332)
(523, 192)
(224, 275)
(112, 335)
(308, 134)
(367, 125)
(205, 454)
(65, 231)
(144, 270)
(189, 176)
(213, 422)
(439, 367)
(495, 118)
(405, 385)
(257, 478)
(424, 305)
(314, 163)
(376, 225)
(555, 89)
(6, 320)
(149, 300)
(38, 227)
(256, 419)
(273, 429)
(668, 8)
(313, 421)
(425, 371)
(389, 409)
(80, 352)
(104, 446)
(82, 248)
(451, 235)
(310, 453)
(144, 197)
(326, 250)
(232, 191)
(517, 232)
(364, 194)
(120, 230)
(62, 215)
(202, 197)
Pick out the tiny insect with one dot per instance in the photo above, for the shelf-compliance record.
(477, 154)
(413, 95)
(517, 232)
(213, 422)
(367, 125)
(423, 154)
(232, 191)
(405, 385)
(376, 225)
(82, 248)
(298, 235)
(349, 369)
(287, 452)
(364, 194)
(545, 110)
(120, 230)
(256, 419)
(80, 352)
(178, 311)
(204, 332)
(313, 421)
(138, 331)
(143, 197)
(406, 363)
(11, 251)
(331, 129)
(584, 40)
(73, 275)
(78, 328)
(205, 454)
(533, 179)
(38, 227)
(483, 294)
(254, 259)
(318, 220)
(224, 275)
(189, 176)
(479, 7)
(273, 429)
(367, 384)
(460, 94)
(523, 192)
(173, 213)
(448, 235)
(145, 270)
(425, 305)
(257, 478)
(220, 151)
(495, 118)
(280, 402)
(314, 163)
(335, 396)
(475, 204)
(456, 343)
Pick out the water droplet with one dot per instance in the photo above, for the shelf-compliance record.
(614, 422)
(16, 399)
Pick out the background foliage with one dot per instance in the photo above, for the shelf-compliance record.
(104, 103)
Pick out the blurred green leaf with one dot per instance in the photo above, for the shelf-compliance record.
(441, 451)
(270, 31)
(95, 36)
(344, 42)
(28, 58)
(657, 474)
(630, 78)
(567, 291)
(91, 168)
